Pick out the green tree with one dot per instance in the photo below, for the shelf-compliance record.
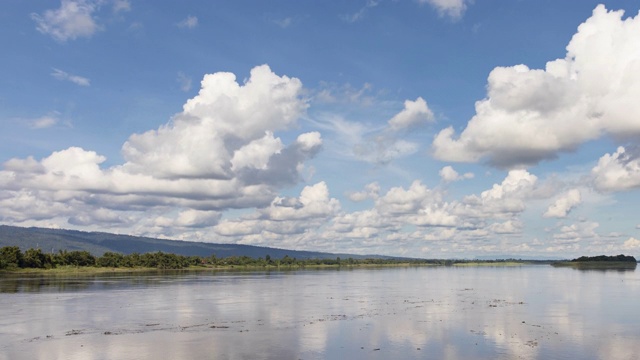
(75, 258)
(132, 260)
(110, 259)
(286, 260)
(10, 257)
(35, 258)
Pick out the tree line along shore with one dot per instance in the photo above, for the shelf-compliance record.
(12, 258)
(600, 262)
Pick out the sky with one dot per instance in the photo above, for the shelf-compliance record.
(419, 128)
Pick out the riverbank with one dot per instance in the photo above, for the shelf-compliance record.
(92, 270)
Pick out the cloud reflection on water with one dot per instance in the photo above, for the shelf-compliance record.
(532, 312)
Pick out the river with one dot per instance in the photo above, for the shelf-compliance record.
(522, 312)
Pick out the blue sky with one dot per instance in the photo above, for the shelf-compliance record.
(426, 128)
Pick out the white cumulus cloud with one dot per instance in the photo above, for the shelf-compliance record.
(314, 202)
(223, 118)
(371, 191)
(221, 152)
(564, 204)
(284, 216)
(507, 227)
(631, 243)
(531, 115)
(449, 174)
(502, 200)
(414, 113)
(618, 171)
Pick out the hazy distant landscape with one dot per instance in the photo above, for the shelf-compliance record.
(97, 243)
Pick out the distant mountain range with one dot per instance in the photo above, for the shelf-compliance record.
(97, 243)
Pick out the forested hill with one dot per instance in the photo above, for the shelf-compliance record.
(97, 243)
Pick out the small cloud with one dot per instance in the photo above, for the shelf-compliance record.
(72, 20)
(135, 26)
(632, 243)
(136, 29)
(64, 76)
(414, 113)
(564, 204)
(283, 23)
(383, 149)
(451, 8)
(619, 171)
(330, 93)
(448, 174)
(371, 191)
(190, 22)
(507, 227)
(359, 15)
(43, 122)
(121, 6)
(184, 81)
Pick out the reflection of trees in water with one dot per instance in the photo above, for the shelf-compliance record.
(620, 268)
(65, 283)
(42, 284)
(17, 283)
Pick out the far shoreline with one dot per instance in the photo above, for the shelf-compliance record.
(92, 270)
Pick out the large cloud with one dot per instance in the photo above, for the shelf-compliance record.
(221, 152)
(531, 115)
(224, 118)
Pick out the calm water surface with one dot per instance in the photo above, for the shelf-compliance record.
(528, 312)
